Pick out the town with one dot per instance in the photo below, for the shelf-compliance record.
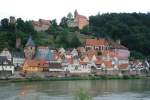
(96, 57)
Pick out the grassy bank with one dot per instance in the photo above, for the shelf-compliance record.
(71, 78)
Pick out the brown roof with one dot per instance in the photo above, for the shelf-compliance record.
(123, 66)
(41, 22)
(35, 63)
(82, 16)
(96, 42)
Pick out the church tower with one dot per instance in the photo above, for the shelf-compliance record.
(29, 49)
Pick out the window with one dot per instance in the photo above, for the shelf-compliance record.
(76, 67)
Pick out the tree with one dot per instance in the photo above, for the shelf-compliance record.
(5, 23)
(136, 55)
(53, 29)
(85, 30)
(132, 28)
(63, 22)
(75, 42)
(70, 16)
(20, 24)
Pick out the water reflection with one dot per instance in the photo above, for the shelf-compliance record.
(65, 90)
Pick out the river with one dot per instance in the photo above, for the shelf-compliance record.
(66, 90)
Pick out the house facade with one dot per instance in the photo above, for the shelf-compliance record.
(35, 66)
(6, 66)
(44, 53)
(18, 59)
(97, 44)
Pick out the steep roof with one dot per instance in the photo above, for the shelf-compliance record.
(30, 42)
(96, 42)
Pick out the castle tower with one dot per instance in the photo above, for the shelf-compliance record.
(12, 20)
(18, 42)
(75, 13)
(29, 49)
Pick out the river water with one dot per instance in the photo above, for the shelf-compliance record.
(66, 90)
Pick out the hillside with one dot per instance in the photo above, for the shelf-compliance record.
(133, 29)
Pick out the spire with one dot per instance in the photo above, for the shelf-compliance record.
(30, 42)
(76, 13)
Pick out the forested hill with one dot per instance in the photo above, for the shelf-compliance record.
(133, 29)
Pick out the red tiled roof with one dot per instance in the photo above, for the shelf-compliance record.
(108, 64)
(35, 63)
(123, 66)
(96, 42)
(98, 62)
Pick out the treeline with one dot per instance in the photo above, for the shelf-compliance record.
(133, 29)
(58, 35)
(9, 31)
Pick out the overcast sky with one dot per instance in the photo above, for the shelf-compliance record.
(50, 9)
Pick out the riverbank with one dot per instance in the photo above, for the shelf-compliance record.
(71, 78)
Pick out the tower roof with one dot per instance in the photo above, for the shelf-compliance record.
(30, 42)
(76, 13)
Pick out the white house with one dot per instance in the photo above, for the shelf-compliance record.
(18, 59)
(74, 52)
(77, 68)
(6, 53)
(6, 65)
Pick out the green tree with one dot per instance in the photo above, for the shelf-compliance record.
(63, 22)
(5, 23)
(70, 16)
(75, 42)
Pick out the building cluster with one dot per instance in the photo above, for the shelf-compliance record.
(96, 57)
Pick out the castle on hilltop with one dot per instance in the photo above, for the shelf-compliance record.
(41, 25)
(79, 21)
